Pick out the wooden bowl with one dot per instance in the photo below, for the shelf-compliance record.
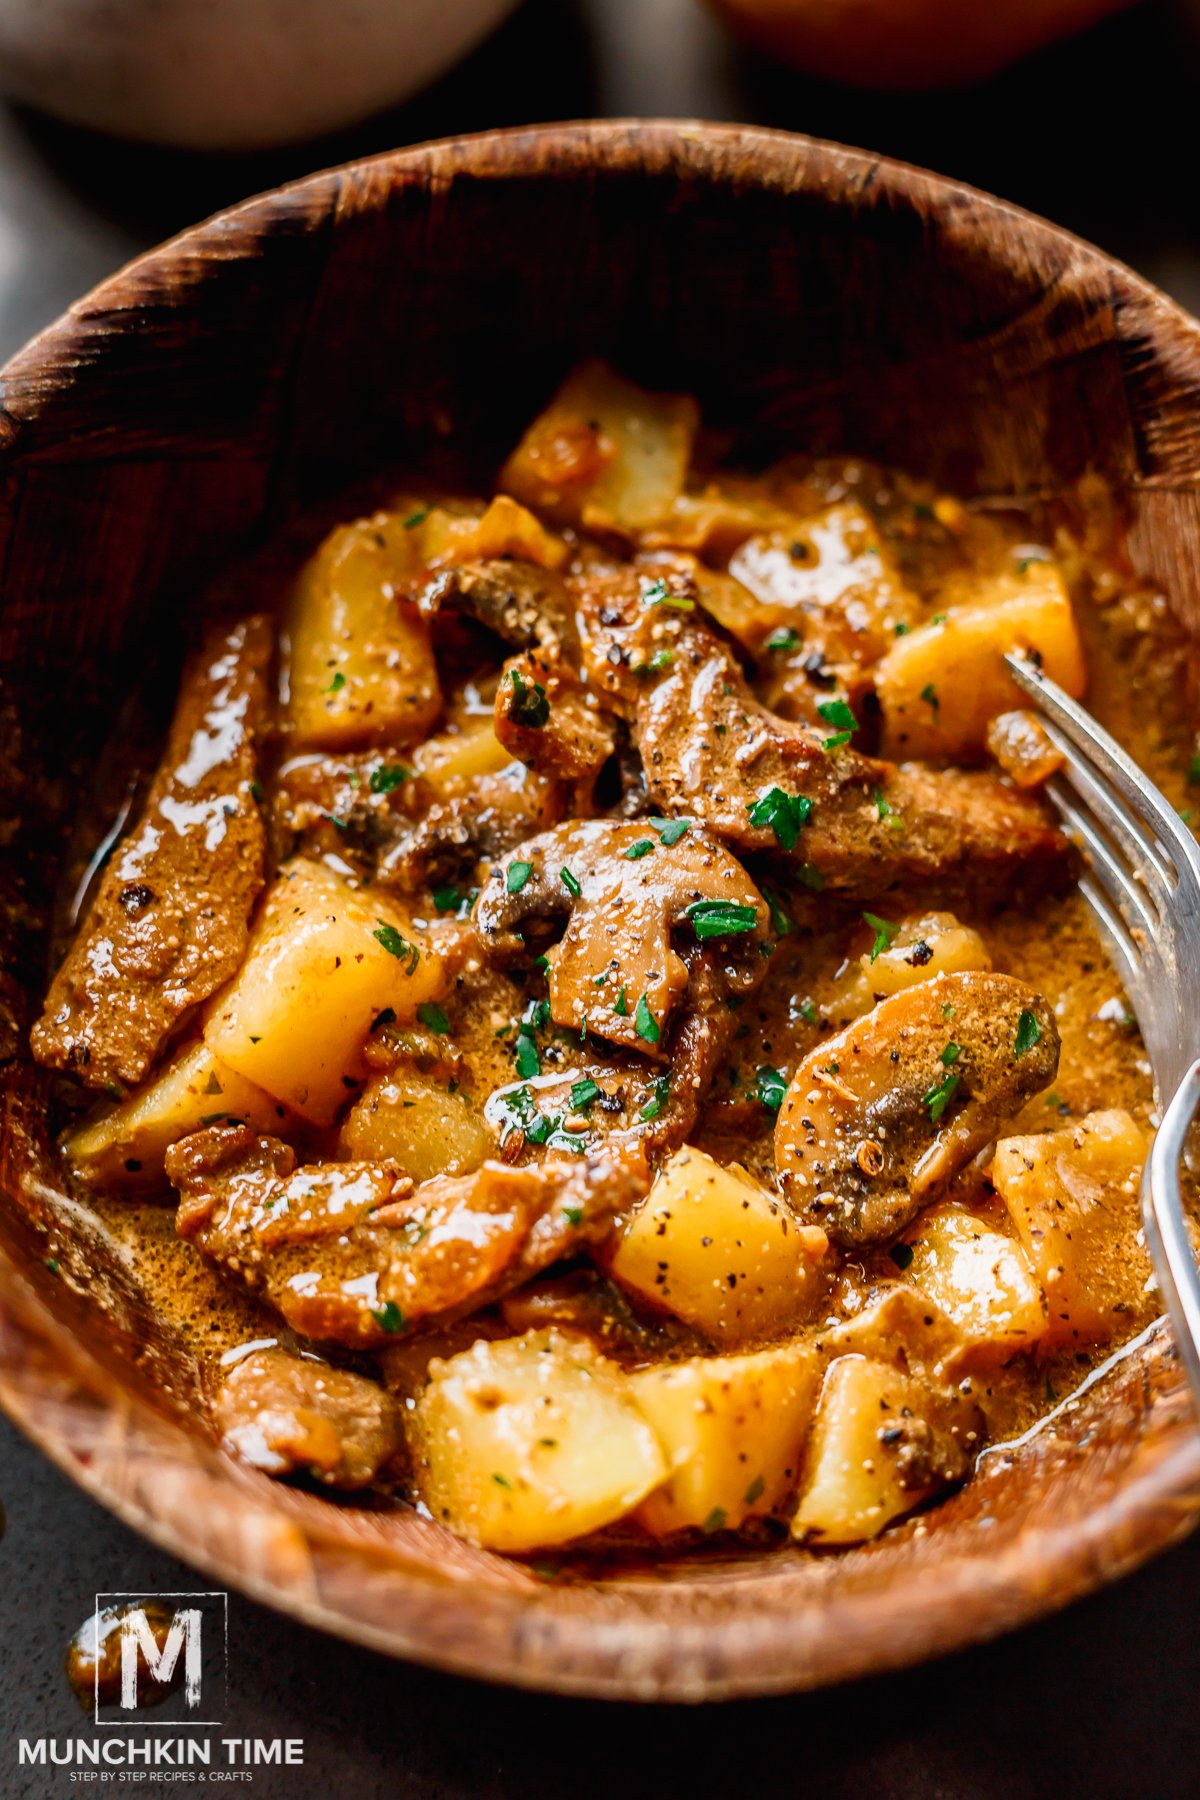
(812, 296)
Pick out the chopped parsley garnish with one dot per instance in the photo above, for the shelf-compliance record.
(930, 697)
(715, 1521)
(657, 593)
(783, 813)
(333, 819)
(584, 1094)
(901, 629)
(838, 713)
(573, 1215)
(947, 1011)
(808, 1012)
(884, 811)
(645, 1023)
(655, 663)
(570, 883)
(395, 945)
(901, 1255)
(388, 1316)
(621, 1005)
(720, 918)
(447, 899)
(530, 705)
(434, 1017)
(643, 847)
(386, 777)
(884, 933)
(337, 684)
(938, 1097)
(784, 639)
(755, 1491)
(781, 922)
(1028, 1033)
(670, 830)
(771, 1085)
(1193, 771)
(529, 1062)
(658, 1098)
(417, 518)
(950, 1055)
(518, 875)
(811, 877)
(502, 1481)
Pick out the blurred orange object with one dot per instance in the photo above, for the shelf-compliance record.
(908, 43)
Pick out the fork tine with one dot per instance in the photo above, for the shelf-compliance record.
(1098, 748)
(1118, 881)
(1142, 851)
(1116, 932)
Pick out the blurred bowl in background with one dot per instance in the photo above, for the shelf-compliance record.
(908, 43)
(230, 74)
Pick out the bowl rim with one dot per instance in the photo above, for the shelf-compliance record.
(1156, 1502)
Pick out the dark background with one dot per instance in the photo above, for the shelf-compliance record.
(1100, 135)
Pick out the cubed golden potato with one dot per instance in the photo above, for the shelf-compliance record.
(125, 1148)
(406, 1118)
(324, 960)
(713, 1247)
(1073, 1196)
(903, 953)
(605, 454)
(829, 581)
(979, 1278)
(939, 686)
(733, 1428)
(359, 662)
(453, 759)
(883, 1442)
(528, 1442)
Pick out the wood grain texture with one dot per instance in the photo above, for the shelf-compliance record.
(425, 302)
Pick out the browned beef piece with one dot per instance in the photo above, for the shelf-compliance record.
(350, 1253)
(710, 749)
(170, 920)
(286, 1414)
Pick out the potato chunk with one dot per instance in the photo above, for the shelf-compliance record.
(605, 454)
(125, 1149)
(979, 1278)
(1073, 1197)
(417, 1124)
(324, 960)
(733, 1428)
(532, 1441)
(360, 666)
(713, 1247)
(916, 949)
(883, 1442)
(940, 686)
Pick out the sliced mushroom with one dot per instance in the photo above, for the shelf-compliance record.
(880, 1118)
(623, 889)
(351, 1253)
(759, 782)
(523, 603)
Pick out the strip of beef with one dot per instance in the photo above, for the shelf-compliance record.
(711, 749)
(351, 1253)
(547, 718)
(170, 920)
(525, 604)
(287, 1414)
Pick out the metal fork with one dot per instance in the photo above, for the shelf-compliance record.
(1143, 885)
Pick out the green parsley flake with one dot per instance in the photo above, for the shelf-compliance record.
(808, 1012)
(930, 697)
(573, 1215)
(950, 1055)
(938, 1097)
(720, 918)
(584, 1094)
(518, 875)
(884, 933)
(784, 639)
(570, 883)
(447, 899)
(837, 713)
(645, 1024)
(388, 1316)
(771, 1085)
(783, 813)
(529, 1062)
(657, 593)
(395, 945)
(621, 1005)
(658, 1098)
(1028, 1033)
(1193, 771)
(670, 830)
(643, 847)
(715, 1521)
(417, 518)
(386, 777)
(434, 1017)
(530, 705)
(337, 684)
(755, 1491)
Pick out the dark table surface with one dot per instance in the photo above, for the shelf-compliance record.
(1098, 134)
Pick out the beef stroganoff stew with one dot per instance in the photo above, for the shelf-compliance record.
(592, 1030)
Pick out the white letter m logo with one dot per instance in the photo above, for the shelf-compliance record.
(161, 1658)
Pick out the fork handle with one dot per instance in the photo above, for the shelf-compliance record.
(1166, 1224)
